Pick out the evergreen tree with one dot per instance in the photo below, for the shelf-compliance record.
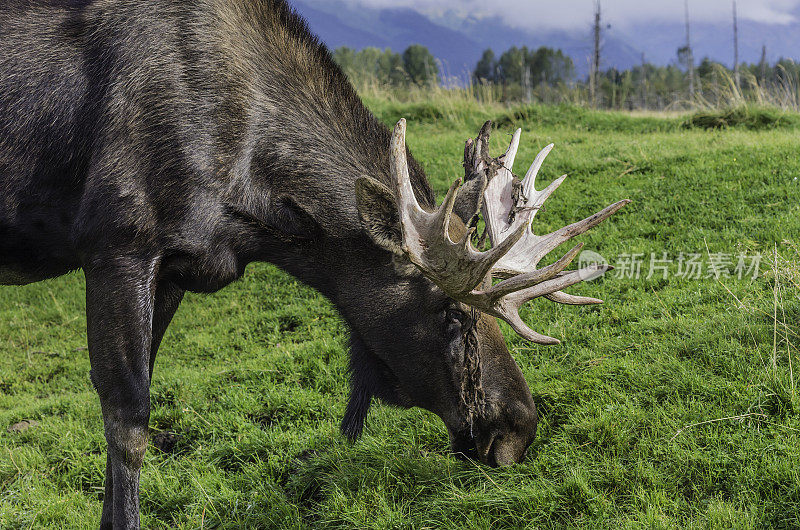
(420, 65)
(486, 69)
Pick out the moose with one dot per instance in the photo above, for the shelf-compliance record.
(162, 146)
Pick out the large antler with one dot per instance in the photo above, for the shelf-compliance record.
(458, 268)
(510, 204)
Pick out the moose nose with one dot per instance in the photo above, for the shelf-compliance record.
(504, 455)
(504, 451)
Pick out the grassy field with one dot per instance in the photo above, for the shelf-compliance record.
(671, 406)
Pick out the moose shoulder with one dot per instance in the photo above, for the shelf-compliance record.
(161, 146)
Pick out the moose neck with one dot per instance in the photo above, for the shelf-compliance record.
(297, 137)
(302, 136)
(299, 122)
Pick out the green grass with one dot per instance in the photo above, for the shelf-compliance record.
(743, 116)
(253, 379)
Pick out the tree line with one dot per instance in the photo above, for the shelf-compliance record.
(710, 84)
(548, 75)
(519, 70)
(415, 66)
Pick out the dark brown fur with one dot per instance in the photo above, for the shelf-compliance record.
(161, 146)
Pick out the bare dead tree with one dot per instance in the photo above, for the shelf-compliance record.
(689, 54)
(644, 82)
(736, 74)
(526, 80)
(595, 73)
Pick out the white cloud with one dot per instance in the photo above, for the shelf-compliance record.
(572, 14)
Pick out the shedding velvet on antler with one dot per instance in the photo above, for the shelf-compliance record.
(459, 269)
(509, 204)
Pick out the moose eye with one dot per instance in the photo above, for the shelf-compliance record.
(454, 322)
(456, 315)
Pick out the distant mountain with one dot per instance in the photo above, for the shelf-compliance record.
(715, 40)
(339, 24)
(495, 34)
(455, 49)
(458, 41)
(336, 31)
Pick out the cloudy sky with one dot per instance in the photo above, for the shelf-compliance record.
(571, 14)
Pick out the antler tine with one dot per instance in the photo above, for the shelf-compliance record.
(535, 199)
(522, 329)
(482, 143)
(562, 281)
(523, 281)
(446, 209)
(509, 310)
(469, 154)
(547, 243)
(399, 167)
(568, 299)
(499, 196)
(530, 177)
(543, 195)
(511, 154)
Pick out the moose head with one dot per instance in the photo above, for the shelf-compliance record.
(439, 281)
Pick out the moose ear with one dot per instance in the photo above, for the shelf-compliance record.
(379, 216)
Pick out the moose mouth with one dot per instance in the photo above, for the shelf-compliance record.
(494, 448)
(467, 447)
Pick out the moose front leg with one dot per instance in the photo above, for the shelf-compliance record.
(167, 299)
(120, 297)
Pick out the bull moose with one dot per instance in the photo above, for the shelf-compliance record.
(162, 146)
